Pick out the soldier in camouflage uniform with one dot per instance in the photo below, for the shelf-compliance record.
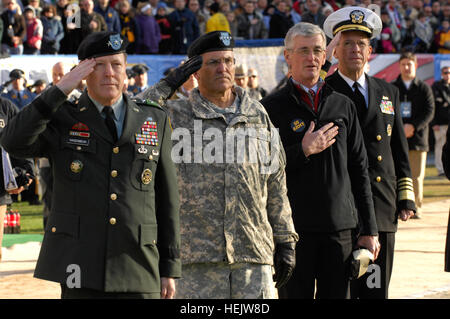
(235, 216)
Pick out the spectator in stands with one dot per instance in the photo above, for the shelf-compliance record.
(446, 11)
(313, 14)
(128, 26)
(109, 14)
(232, 22)
(73, 35)
(408, 35)
(280, 21)
(165, 45)
(53, 31)
(239, 8)
(442, 37)
(390, 36)
(255, 91)
(424, 34)
(250, 24)
(149, 34)
(261, 5)
(194, 6)
(225, 7)
(184, 27)
(14, 28)
(437, 12)
(33, 39)
(395, 15)
(18, 94)
(432, 20)
(217, 21)
(36, 5)
(91, 21)
(61, 6)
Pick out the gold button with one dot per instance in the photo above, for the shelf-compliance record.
(78, 148)
(112, 221)
(379, 158)
(116, 150)
(378, 179)
(113, 196)
(378, 137)
(53, 229)
(154, 241)
(150, 157)
(114, 173)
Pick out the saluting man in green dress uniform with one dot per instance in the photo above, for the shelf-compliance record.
(113, 231)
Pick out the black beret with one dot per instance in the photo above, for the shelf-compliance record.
(212, 41)
(139, 69)
(16, 74)
(100, 44)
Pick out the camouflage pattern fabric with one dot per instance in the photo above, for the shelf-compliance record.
(234, 203)
(231, 281)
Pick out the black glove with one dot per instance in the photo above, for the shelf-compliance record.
(181, 74)
(284, 261)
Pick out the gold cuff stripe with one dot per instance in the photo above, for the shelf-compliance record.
(352, 27)
(408, 179)
(406, 195)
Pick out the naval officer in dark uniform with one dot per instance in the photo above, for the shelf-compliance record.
(377, 104)
(113, 230)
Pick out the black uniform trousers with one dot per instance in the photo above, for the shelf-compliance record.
(360, 289)
(323, 257)
(85, 293)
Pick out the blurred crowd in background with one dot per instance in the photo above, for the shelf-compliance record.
(170, 26)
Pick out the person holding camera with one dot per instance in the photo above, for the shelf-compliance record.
(21, 169)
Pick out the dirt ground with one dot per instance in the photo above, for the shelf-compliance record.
(418, 263)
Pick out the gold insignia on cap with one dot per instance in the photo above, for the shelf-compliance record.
(357, 16)
(76, 166)
(146, 176)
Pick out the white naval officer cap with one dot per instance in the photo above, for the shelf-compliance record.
(353, 19)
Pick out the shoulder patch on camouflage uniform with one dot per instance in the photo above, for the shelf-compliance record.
(146, 102)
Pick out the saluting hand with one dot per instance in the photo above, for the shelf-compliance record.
(71, 80)
(332, 46)
(316, 142)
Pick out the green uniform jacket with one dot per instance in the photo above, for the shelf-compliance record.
(115, 210)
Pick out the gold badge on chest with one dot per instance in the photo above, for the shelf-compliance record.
(146, 176)
(76, 166)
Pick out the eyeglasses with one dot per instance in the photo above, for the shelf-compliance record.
(304, 52)
(229, 62)
(447, 72)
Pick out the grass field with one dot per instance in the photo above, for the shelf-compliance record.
(435, 189)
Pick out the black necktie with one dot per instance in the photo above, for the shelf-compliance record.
(109, 121)
(359, 100)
